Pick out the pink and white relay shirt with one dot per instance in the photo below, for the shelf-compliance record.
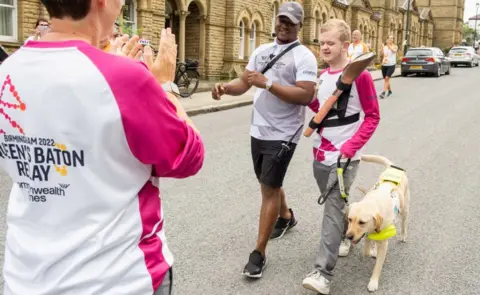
(84, 136)
(347, 139)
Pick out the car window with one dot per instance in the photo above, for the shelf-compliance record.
(439, 52)
(458, 50)
(419, 52)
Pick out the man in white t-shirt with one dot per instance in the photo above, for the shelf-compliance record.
(357, 47)
(389, 54)
(278, 116)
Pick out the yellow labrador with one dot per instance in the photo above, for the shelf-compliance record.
(377, 211)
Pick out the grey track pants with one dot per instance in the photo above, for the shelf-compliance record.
(166, 288)
(334, 223)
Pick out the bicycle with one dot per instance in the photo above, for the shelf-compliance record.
(187, 77)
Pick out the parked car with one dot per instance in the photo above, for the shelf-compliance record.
(425, 60)
(464, 55)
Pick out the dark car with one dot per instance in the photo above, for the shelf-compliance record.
(425, 60)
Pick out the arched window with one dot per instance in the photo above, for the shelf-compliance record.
(130, 15)
(241, 50)
(253, 38)
(274, 15)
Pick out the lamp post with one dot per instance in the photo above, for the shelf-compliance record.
(476, 29)
(407, 34)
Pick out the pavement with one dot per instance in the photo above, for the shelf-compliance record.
(202, 102)
(429, 127)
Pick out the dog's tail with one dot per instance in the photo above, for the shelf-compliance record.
(376, 159)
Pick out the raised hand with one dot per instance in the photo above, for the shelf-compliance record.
(164, 65)
(126, 47)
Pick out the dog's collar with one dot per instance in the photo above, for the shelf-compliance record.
(384, 234)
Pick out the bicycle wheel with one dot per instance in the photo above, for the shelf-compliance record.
(189, 83)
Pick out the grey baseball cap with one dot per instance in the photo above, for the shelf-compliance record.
(292, 10)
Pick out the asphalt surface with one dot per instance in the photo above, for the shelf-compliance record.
(429, 127)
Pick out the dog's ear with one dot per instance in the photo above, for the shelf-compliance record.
(378, 222)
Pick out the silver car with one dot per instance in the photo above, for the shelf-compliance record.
(464, 55)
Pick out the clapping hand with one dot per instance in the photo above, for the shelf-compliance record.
(218, 90)
(164, 65)
(257, 79)
(128, 48)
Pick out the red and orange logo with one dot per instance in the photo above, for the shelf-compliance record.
(8, 85)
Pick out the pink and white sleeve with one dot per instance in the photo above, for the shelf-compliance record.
(368, 100)
(157, 136)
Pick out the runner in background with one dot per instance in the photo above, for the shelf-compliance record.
(357, 47)
(389, 56)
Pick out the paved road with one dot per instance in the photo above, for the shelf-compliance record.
(430, 128)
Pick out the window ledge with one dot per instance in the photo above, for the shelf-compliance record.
(8, 39)
(10, 42)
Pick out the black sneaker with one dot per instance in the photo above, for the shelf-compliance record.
(282, 226)
(382, 95)
(255, 266)
(389, 93)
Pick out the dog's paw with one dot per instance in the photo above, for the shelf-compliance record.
(403, 238)
(372, 286)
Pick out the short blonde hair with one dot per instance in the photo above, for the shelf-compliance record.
(340, 26)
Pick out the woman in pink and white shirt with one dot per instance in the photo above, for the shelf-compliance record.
(86, 135)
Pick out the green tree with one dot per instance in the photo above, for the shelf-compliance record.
(126, 28)
(468, 33)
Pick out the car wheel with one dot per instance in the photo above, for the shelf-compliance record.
(470, 65)
(439, 71)
(403, 74)
(448, 71)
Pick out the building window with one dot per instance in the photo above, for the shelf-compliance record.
(253, 38)
(274, 15)
(241, 50)
(318, 25)
(129, 15)
(8, 20)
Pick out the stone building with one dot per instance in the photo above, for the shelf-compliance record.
(221, 34)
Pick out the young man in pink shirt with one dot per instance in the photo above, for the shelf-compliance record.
(86, 137)
(341, 135)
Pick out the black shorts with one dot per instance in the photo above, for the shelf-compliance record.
(269, 168)
(387, 71)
